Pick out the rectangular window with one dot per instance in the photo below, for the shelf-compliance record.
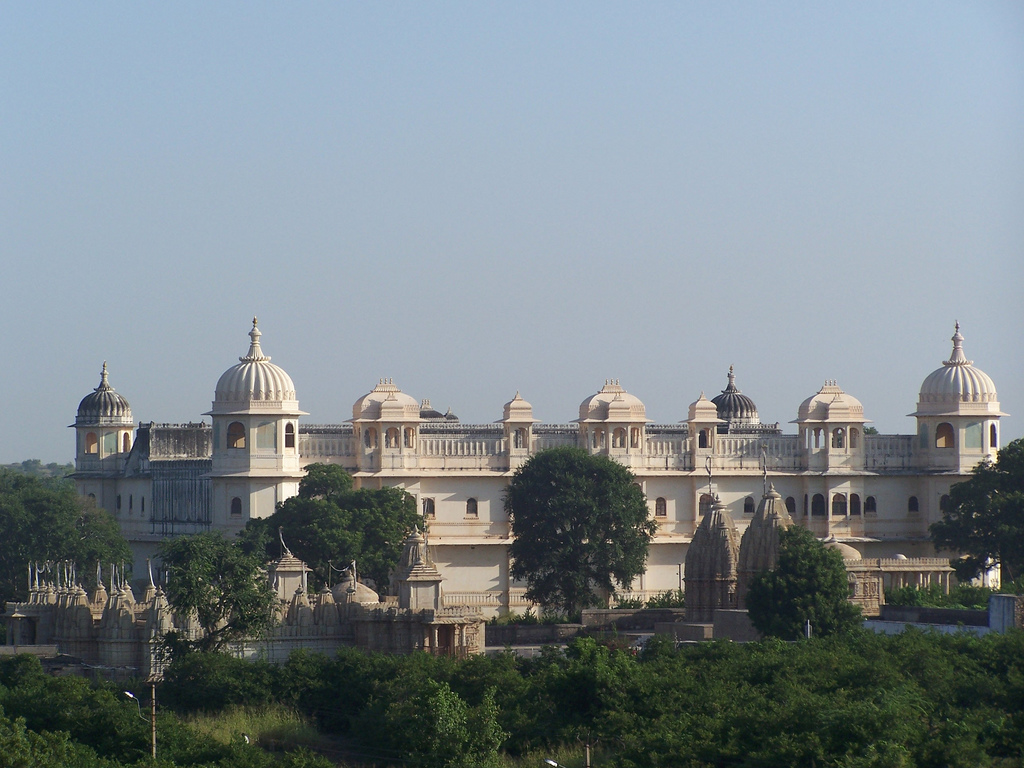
(972, 436)
(266, 437)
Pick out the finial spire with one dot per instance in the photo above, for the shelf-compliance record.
(958, 357)
(255, 354)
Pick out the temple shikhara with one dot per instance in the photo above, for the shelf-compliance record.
(714, 481)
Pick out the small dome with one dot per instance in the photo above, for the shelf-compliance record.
(517, 409)
(429, 413)
(848, 552)
(386, 399)
(254, 378)
(733, 406)
(103, 406)
(612, 403)
(703, 410)
(831, 404)
(957, 380)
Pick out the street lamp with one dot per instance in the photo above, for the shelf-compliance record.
(152, 716)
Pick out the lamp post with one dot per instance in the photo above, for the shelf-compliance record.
(152, 715)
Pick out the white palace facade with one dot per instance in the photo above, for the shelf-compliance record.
(875, 494)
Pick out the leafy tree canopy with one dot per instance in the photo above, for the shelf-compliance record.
(329, 522)
(809, 584)
(580, 525)
(43, 519)
(225, 587)
(984, 518)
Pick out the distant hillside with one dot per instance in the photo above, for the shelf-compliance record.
(36, 468)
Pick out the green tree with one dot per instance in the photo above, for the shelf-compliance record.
(580, 525)
(329, 522)
(809, 584)
(44, 519)
(984, 518)
(225, 587)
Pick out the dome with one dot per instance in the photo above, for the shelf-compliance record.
(612, 403)
(254, 378)
(831, 404)
(957, 381)
(848, 552)
(733, 406)
(429, 413)
(386, 401)
(517, 409)
(104, 406)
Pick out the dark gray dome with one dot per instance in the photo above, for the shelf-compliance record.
(429, 413)
(103, 406)
(733, 406)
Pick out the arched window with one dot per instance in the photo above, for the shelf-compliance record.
(791, 506)
(944, 435)
(236, 435)
(854, 435)
(126, 443)
(660, 507)
(471, 508)
(912, 505)
(870, 507)
(619, 438)
(236, 507)
(92, 444)
(854, 499)
(289, 435)
(818, 505)
(838, 437)
(428, 508)
(748, 505)
(702, 440)
(839, 505)
(391, 438)
(993, 438)
(705, 504)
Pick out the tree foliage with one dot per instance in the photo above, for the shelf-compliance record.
(330, 522)
(809, 584)
(984, 518)
(580, 524)
(43, 519)
(224, 586)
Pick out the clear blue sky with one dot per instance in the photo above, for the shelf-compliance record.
(479, 198)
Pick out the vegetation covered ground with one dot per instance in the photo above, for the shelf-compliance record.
(856, 699)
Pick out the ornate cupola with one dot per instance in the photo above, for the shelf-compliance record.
(518, 419)
(734, 408)
(255, 438)
(103, 435)
(957, 414)
(614, 422)
(831, 424)
(386, 425)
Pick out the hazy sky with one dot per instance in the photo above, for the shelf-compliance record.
(481, 198)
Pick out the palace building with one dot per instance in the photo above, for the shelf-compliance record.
(874, 495)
